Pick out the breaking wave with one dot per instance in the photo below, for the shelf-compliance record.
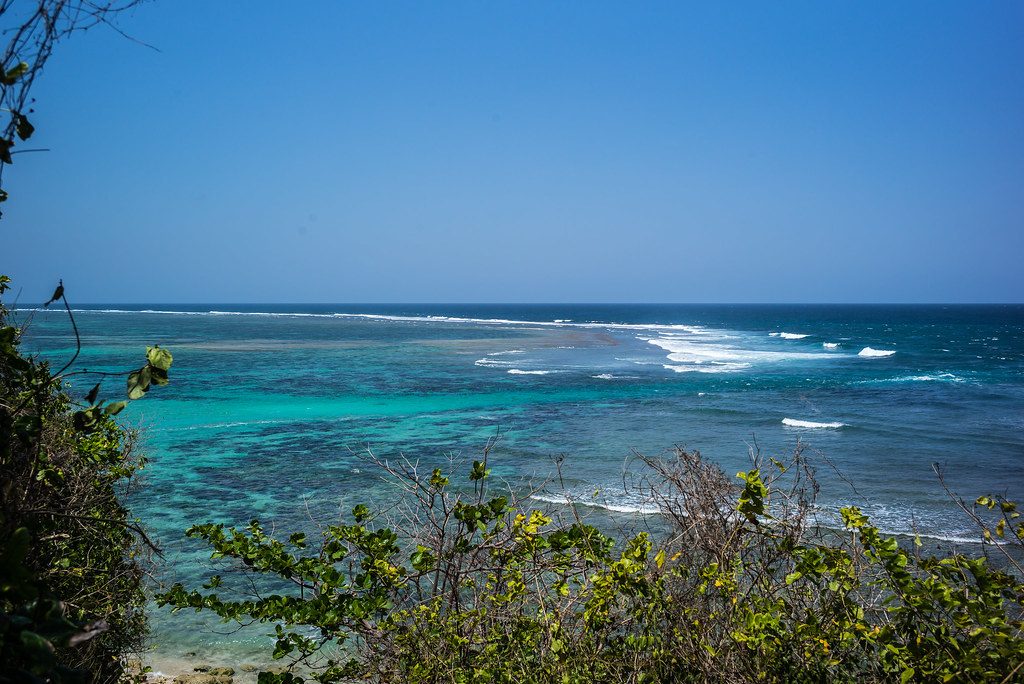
(938, 377)
(810, 425)
(493, 363)
(875, 353)
(623, 505)
(713, 367)
(690, 354)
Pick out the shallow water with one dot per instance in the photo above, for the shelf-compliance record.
(271, 408)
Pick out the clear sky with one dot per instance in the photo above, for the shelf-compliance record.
(529, 151)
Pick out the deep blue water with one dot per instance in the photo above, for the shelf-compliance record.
(271, 406)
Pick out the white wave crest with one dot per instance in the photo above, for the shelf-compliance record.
(875, 353)
(702, 355)
(714, 367)
(559, 323)
(494, 363)
(807, 424)
(505, 353)
(939, 377)
(830, 345)
(789, 336)
(620, 506)
(517, 371)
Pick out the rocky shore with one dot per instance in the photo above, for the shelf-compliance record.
(203, 673)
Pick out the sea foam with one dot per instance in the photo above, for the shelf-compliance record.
(713, 367)
(789, 336)
(875, 353)
(492, 363)
(623, 505)
(559, 323)
(807, 424)
(692, 354)
(938, 377)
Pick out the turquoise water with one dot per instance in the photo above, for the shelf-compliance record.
(272, 408)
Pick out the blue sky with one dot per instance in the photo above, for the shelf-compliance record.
(529, 151)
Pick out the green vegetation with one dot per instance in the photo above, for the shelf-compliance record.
(71, 597)
(458, 585)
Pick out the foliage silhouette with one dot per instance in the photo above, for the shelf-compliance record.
(71, 598)
(740, 585)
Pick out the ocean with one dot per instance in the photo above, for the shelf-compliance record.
(272, 408)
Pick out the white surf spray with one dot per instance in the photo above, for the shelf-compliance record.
(810, 425)
(623, 505)
(868, 352)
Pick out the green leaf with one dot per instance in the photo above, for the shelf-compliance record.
(158, 376)
(422, 560)
(90, 398)
(113, 408)
(159, 358)
(14, 73)
(5, 150)
(83, 420)
(906, 675)
(39, 647)
(752, 499)
(8, 337)
(437, 480)
(139, 382)
(478, 472)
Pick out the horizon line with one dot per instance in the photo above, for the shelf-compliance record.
(553, 303)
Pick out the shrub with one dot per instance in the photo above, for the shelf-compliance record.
(738, 585)
(71, 598)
